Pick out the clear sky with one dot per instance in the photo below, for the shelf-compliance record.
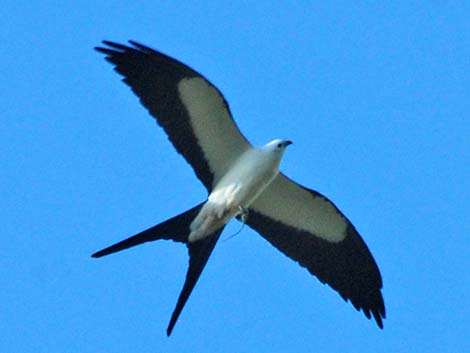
(376, 99)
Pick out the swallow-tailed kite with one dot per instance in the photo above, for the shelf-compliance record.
(242, 181)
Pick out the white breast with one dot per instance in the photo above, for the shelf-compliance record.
(240, 186)
(250, 175)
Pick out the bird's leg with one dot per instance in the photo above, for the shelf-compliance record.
(243, 213)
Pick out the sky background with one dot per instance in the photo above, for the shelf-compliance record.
(376, 99)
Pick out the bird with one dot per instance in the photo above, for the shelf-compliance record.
(243, 182)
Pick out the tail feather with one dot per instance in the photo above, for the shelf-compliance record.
(199, 252)
(176, 228)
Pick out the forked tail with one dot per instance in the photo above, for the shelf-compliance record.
(177, 229)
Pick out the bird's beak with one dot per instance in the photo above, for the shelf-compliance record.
(287, 143)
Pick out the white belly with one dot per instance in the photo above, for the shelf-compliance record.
(242, 184)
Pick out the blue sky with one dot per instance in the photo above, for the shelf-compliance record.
(376, 99)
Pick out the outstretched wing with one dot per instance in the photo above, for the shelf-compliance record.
(192, 111)
(308, 228)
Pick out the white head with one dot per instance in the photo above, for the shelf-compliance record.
(277, 146)
(274, 151)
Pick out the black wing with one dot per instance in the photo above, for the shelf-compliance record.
(193, 112)
(309, 229)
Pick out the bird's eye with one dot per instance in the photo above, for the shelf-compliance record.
(279, 145)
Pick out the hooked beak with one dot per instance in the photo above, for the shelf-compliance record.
(287, 143)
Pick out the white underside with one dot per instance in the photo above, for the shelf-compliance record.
(236, 190)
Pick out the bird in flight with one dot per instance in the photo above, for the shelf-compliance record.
(243, 182)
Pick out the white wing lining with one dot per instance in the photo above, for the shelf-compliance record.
(289, 203)
(217, 134)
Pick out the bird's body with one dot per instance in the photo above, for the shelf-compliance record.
(241, 180)
(238, 188)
